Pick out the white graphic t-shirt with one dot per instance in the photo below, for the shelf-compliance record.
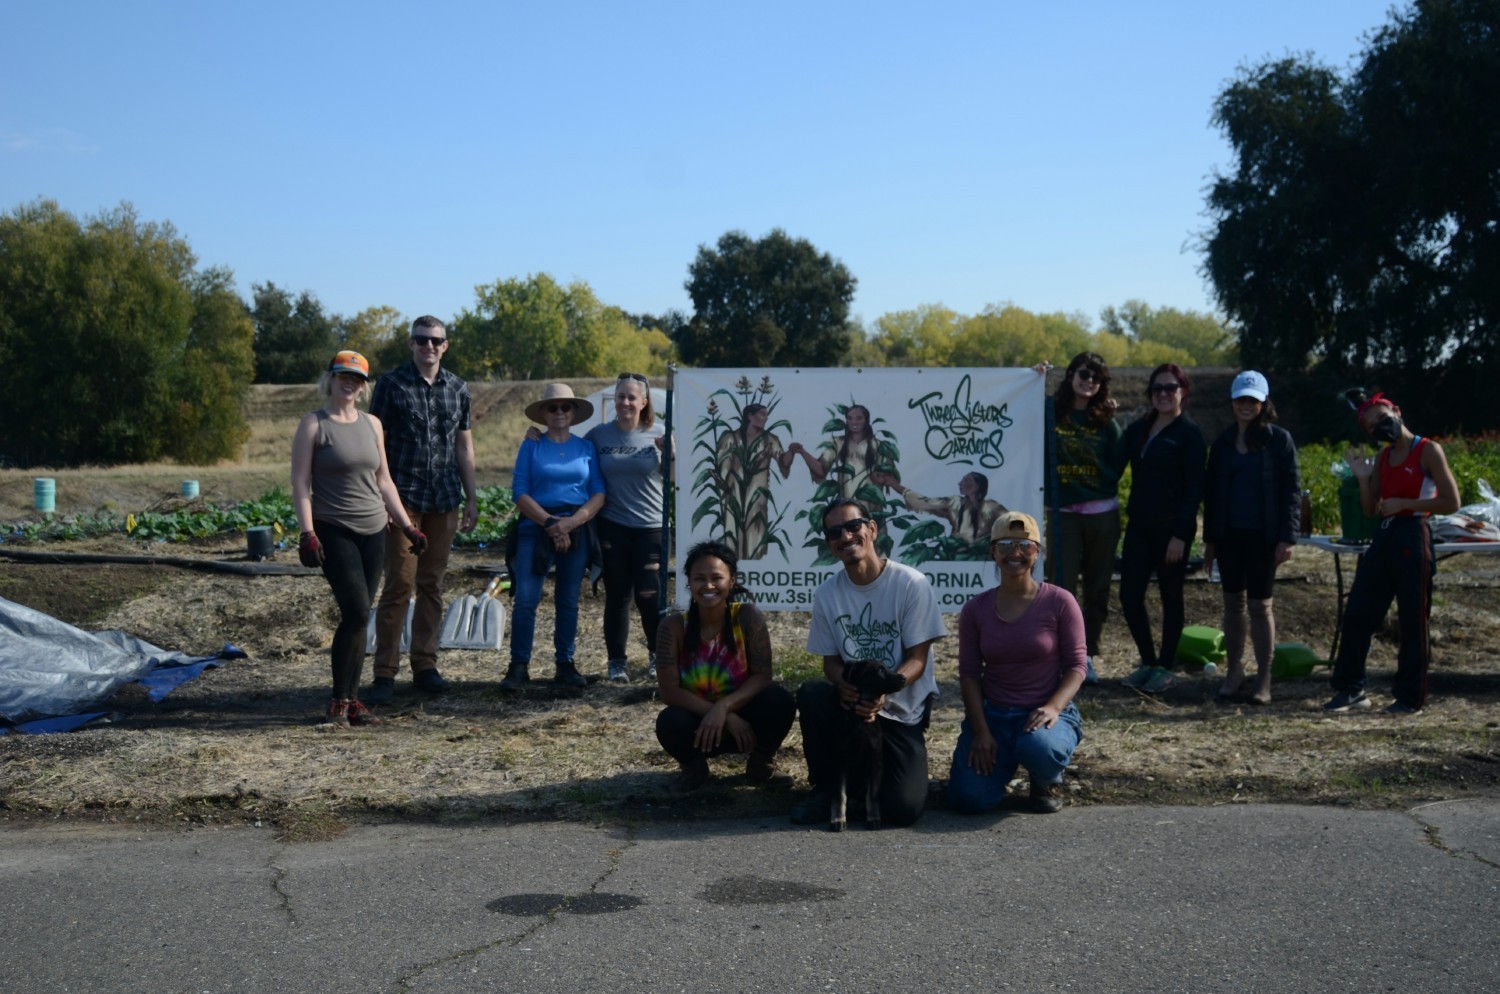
(878, 621)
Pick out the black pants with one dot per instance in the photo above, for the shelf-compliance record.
(1145, 552)
(353, 565)
(1399, 567)
(632, 571)
(903, 786)
(769, 713)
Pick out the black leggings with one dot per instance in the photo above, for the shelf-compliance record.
(632, 570)
(353, 565)
(1144, 553)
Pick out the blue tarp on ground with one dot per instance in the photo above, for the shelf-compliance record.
(54, 677)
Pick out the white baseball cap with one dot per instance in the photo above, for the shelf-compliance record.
(1250, 384)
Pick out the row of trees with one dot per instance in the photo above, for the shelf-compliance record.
(115, 346)
(1358, 233)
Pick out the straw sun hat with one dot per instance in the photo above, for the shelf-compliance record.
(555, 392)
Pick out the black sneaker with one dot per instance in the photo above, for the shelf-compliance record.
(1401, 709)
(430, 680)
(1347, 700)
(813, 810)
(382, 689)
(1046, 798)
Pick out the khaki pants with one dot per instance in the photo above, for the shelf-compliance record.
(403, 573)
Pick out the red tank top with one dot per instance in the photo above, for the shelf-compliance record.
(1408, 480)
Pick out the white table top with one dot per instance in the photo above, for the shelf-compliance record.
(1331, 543)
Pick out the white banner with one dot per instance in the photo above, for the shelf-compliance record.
(935, 454)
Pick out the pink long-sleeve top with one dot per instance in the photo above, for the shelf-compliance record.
(1019, 663)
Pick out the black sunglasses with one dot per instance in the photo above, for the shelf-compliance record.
(633, 376)
(832, 532)
(1164, 388)
(428, 340)
(559, 408)
(1088, 376)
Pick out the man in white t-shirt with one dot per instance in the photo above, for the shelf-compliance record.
(874, 609)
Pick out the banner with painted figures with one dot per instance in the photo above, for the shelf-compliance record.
(935, 454)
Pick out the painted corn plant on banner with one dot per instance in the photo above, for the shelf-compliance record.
(935, 454)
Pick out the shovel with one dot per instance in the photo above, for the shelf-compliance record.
(475, 622)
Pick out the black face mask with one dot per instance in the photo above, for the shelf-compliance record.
(1387, 429)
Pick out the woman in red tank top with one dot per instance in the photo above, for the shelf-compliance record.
(1406, 482)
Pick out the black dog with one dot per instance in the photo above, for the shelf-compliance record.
(862, 744)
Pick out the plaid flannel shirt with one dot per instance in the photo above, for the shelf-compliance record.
(421, 425)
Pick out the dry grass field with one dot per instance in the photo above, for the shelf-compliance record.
(243, 742)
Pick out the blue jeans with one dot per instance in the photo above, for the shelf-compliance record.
(527, 586)
(1044, 752)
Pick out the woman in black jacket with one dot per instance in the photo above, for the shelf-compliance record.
(1166, 451)
(1250, 512)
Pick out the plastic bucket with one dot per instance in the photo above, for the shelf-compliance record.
(258, 542)
(44, 493)
(1353, 522)
(189, 489)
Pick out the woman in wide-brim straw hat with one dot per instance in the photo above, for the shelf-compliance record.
(558, 489)
(342, 493)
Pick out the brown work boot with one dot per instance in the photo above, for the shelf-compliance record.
(361, 715)
(337, 713)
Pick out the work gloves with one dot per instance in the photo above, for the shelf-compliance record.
(310, 550)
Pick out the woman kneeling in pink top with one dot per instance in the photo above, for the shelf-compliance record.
(1021, 658)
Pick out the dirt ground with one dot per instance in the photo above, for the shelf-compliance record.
(244, 742)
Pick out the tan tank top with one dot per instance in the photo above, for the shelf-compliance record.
(346, 459)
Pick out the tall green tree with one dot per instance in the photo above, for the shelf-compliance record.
(380, 334)
(116, 348)
(1191, 338)
(923, 337)
(535, 328)
(294, 338)
(773, 301)
(1359, 230)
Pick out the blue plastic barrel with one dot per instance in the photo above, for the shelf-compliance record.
(44, 489)
(189, 489)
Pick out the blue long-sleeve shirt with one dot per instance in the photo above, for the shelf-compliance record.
(557, 473)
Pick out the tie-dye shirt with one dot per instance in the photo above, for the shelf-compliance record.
(718, 668)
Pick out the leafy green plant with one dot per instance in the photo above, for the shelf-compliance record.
(202, 519)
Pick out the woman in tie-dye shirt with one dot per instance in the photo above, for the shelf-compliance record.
(714, 673)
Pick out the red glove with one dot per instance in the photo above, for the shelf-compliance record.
(310, 550)
(418, 540)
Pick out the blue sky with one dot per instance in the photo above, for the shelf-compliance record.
(1053, 155)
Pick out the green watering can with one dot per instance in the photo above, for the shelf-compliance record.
(1200, 645)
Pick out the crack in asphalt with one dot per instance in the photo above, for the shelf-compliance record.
(615, 856)
(1433, 836)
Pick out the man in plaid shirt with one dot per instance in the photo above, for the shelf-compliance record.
(425, 412)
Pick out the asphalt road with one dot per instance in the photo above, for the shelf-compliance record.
(1240, 899)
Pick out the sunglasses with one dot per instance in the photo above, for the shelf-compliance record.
(1006, 544)
(559, 408)
(1089, 376)
(1164, 388)
(429, 340)
(633, 376)
(832, 532)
